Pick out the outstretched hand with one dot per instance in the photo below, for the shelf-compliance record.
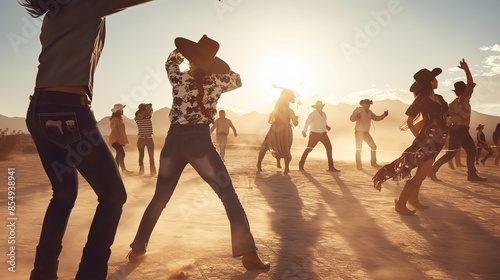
(463, 65)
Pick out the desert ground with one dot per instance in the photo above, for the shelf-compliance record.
(309, 224)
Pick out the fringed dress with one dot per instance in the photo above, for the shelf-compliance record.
(427, 145)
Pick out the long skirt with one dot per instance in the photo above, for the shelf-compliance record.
(280, 140)
(427, 145)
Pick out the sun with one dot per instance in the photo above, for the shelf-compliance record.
(287, 70)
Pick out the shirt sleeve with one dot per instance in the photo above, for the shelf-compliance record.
(229, 81)
(308, 121)
(174, 73)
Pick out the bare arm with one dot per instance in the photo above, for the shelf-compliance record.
(411, 126)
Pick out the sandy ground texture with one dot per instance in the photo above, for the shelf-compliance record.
(309, 225)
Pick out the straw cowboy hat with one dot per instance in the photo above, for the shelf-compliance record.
(117, 107)
(202, 54)
(423, 77)
(318, 104)
(365, 101)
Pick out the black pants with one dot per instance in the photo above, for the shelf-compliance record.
(68, 140)
(314, 138)
(459, 137)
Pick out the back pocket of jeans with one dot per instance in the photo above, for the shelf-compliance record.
(60, 128)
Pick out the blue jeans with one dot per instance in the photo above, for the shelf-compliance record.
(150, 145)
(192, 144)
(68, 140)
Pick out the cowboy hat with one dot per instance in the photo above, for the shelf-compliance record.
(318, 104)
(479, 126)
(117, 107)
(365, 101)
(423, 77)
(202, 54)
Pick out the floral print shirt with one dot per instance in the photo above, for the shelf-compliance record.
(185, 107)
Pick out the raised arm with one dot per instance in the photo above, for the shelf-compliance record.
(470, 81)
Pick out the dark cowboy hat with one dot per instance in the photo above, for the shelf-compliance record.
(202, 53)
(479, 126)
(318, 104)
(367, 101)
(423, 77)
(459, 87)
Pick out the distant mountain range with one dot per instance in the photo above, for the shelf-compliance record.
(256, 123)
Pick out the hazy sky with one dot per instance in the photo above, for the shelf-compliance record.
(336, 51)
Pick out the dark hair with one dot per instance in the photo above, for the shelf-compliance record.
(37, 8)
(198, 75)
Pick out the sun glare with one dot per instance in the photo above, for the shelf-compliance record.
(289, 71)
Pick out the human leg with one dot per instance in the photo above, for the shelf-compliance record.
(497, 158)
(488, 155)
(325, 140)
(64, 181)
(141, 143)
(169, 172)
(150, 145)
(373, 152)
(411, 186)
(311, 143)
(358, 138)
(264, 147)
(211, 168)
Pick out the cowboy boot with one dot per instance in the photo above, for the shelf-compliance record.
(141, 170)
(413, 199)
(403, 198)
(152, 171)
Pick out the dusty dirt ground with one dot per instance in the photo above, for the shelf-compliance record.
(309, 225)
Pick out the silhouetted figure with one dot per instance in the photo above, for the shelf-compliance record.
(65, 131)
(482, 144)
(221, 127)
(145, 137)
(118, 137)
(427, 144)
(318, 128)
(363, 117)
(195, 93)
(280, 137)
(460, 113)
(496, 142)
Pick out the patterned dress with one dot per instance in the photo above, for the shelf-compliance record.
(427, 145)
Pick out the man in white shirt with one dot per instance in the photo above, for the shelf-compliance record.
(363, 117)
(221, 127)
(318, 133)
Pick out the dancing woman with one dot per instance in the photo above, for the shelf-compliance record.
(427, 144)
(65, 131)
(279, 138)
(195, 96)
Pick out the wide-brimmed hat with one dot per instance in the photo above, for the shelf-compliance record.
(365, 101)
(117, 107)
(318, 104)
(459, 87)
(423, 77)
(479, 126)
(202, 54)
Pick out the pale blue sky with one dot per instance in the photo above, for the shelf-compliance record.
(337, 51)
